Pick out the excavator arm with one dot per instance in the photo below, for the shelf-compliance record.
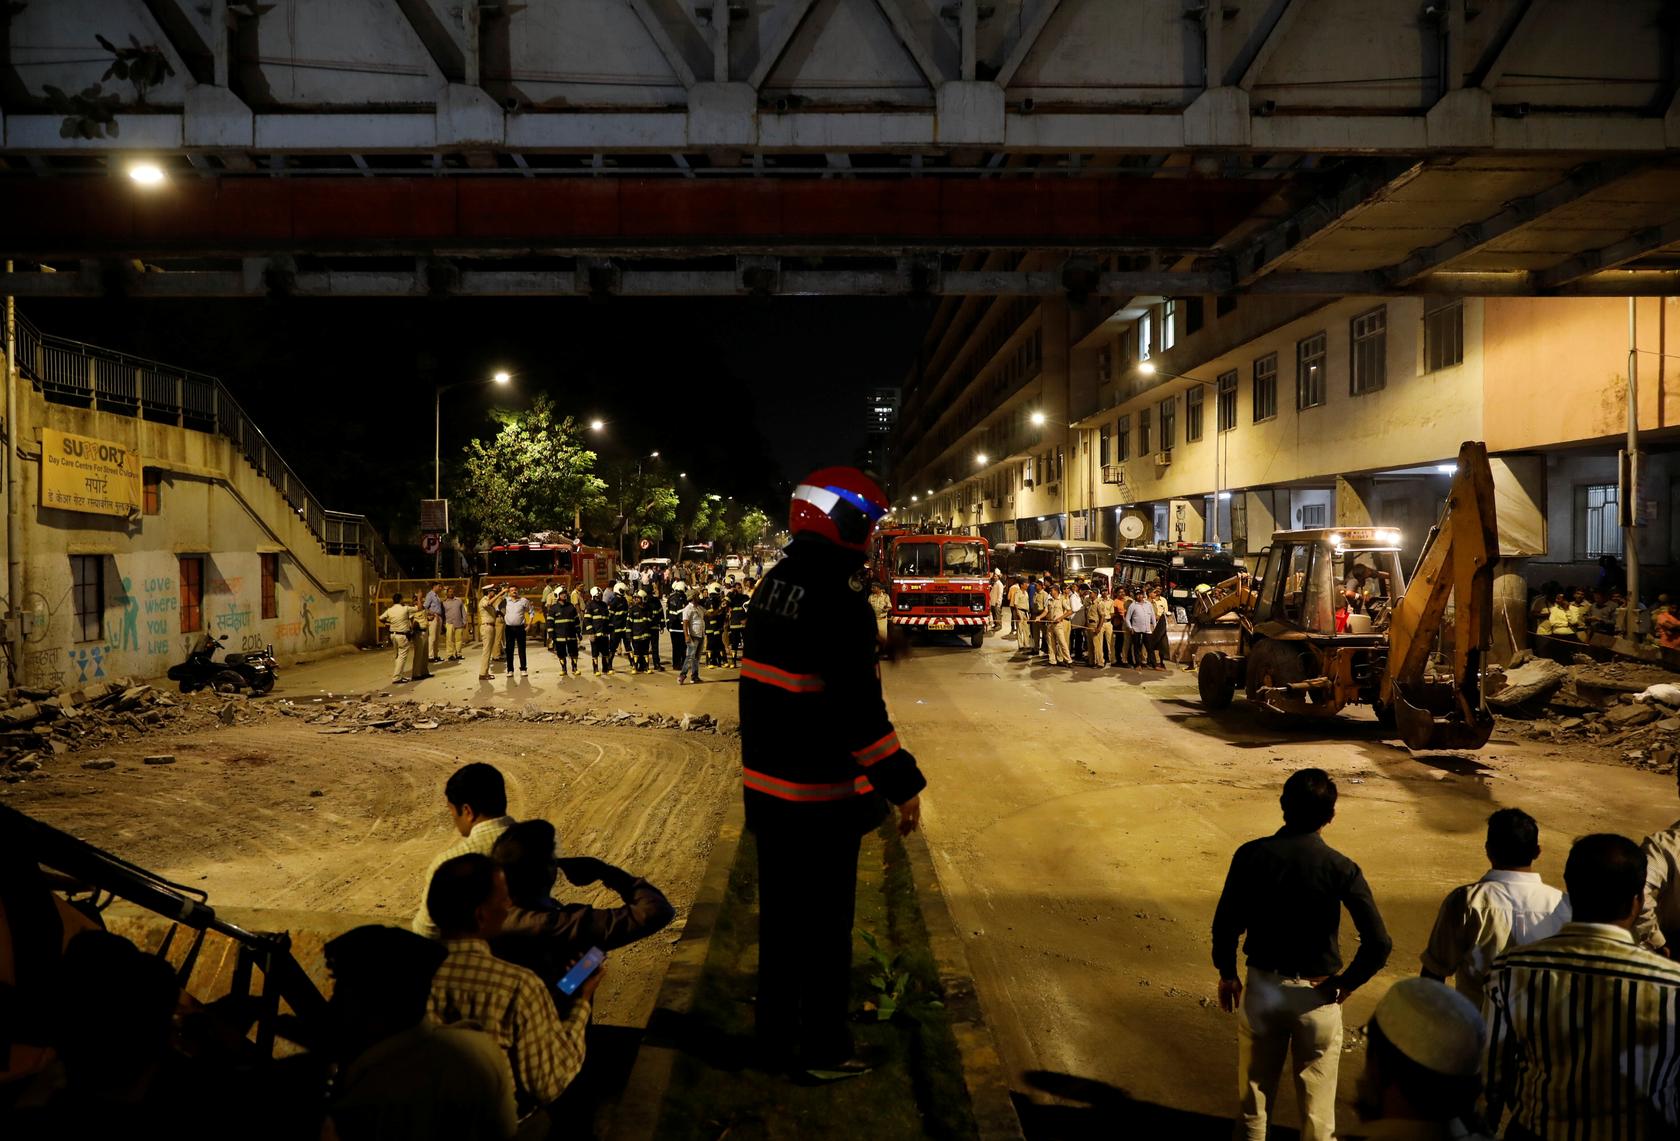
(1432, 711)
(1225, 597)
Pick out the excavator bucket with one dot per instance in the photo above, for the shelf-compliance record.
(1434, 716)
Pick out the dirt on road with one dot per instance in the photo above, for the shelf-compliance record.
(275, 813)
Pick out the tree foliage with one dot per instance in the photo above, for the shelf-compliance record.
(534, 475)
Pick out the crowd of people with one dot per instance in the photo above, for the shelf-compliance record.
(1562, 1022)
(1583, 613)
(1088, 623)
(616, 629)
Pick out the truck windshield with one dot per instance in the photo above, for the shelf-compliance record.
(521, 562)
(964, 559)
(916, 560)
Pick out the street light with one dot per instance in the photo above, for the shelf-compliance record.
(146, 173)
(980, 460)
(1037, 419)
(597, 425)
(500, 378)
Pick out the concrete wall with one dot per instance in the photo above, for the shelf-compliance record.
(1556, 368)
(212, 504)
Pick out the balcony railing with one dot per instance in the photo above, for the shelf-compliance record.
(87, 376)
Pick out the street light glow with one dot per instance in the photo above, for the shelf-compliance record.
(597, 425)
(1038, 419)
(980, 460)
(653, 455)
(915, 498)
(1146, 368)
(502, 377)
(146, 173)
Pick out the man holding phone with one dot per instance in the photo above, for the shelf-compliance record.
(820, 764)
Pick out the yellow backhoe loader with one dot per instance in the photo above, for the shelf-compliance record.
(1328, 620)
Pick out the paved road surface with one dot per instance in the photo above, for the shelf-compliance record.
(1082, 822)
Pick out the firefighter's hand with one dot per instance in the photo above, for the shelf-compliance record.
(909, 815)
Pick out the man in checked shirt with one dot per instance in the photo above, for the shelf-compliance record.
(542, 1031)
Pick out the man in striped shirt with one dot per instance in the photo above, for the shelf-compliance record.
(1582, 1025)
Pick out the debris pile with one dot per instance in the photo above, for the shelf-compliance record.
(369, 714)
(1628, 707)
(36, 724)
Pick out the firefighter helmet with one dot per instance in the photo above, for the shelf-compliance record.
(839, 504)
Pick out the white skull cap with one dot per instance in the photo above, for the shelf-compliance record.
(594, 592)
(679, 585)
(1433, 1025)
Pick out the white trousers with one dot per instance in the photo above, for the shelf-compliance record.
(1282, 1017)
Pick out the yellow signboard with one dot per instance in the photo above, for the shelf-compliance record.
(80, 473)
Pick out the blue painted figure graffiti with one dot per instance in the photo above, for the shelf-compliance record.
(308, 619)
(84, 657)
(131, 617)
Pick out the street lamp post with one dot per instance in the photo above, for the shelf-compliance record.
(501, 377)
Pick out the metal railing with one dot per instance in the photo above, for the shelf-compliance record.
(87, 376)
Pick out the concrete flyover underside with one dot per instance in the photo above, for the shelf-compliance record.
(662, 147)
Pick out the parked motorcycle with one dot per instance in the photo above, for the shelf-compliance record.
(256, 671)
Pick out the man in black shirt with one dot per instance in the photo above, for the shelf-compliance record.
(1287, 892)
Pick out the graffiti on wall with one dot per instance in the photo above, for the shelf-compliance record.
(124, 633)
(234, 619)
(84, 657)
(41, 667)
(161, 606)
(317, 629)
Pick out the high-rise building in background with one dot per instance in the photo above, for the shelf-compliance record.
(880, 417)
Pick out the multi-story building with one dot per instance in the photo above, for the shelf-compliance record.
(879, 415)
(1221, 419)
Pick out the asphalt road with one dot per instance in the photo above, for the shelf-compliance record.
(1082, 822)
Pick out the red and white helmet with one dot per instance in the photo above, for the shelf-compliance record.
(839, 504)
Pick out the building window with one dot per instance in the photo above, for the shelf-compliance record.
(1126, 353)
(1598, 521)
(1169, 323)
(1193, 415)
(1309, 371)
(1102, 446)
(1367, 369)
(1265, 387)
(1443, 334)
(1123, 439)
(1227, 383)
(1169, 415)
(1143, 432)
(87, 586)
(1313, 514)
(190, 572)
(151, 490)
(1145, 328)
(1192, 315)
(1061, 460)
(1105, 365)
(270, 576)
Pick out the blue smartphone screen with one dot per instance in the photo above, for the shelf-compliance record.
(586, 966)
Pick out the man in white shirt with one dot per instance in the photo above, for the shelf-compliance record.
(514, 615)
(477, 798)
(1508, 907)
(1658, 925)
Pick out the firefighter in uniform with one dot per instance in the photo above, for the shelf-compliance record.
(600, 632)
(820, 765)
(619, 609)
(737, 599)
(715, 621)
(674, 603)
(641, 632)
(563, 621)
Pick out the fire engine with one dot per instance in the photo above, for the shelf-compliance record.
(935, 582)
(529, 565)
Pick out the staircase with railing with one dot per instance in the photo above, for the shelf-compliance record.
(87, 376)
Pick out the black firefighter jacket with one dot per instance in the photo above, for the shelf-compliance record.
(818, 752)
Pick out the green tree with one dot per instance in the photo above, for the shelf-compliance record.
(750, 529)
(639, 502)
(534, 475)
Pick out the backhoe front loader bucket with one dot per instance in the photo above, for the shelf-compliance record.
(1436, 716)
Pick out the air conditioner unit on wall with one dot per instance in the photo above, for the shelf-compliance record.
(1162, 459)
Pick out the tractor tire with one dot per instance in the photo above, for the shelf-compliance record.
(976, 637)
(1214, 680)
(228, 682)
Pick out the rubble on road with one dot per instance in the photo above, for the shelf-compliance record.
(1627, 707)
(39, 724)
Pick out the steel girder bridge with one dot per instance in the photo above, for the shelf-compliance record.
(941, 147)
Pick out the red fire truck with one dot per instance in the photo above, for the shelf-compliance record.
(935, 582)
(531, 564)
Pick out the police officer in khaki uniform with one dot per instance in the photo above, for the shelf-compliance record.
(399, 618)
(489, 628)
